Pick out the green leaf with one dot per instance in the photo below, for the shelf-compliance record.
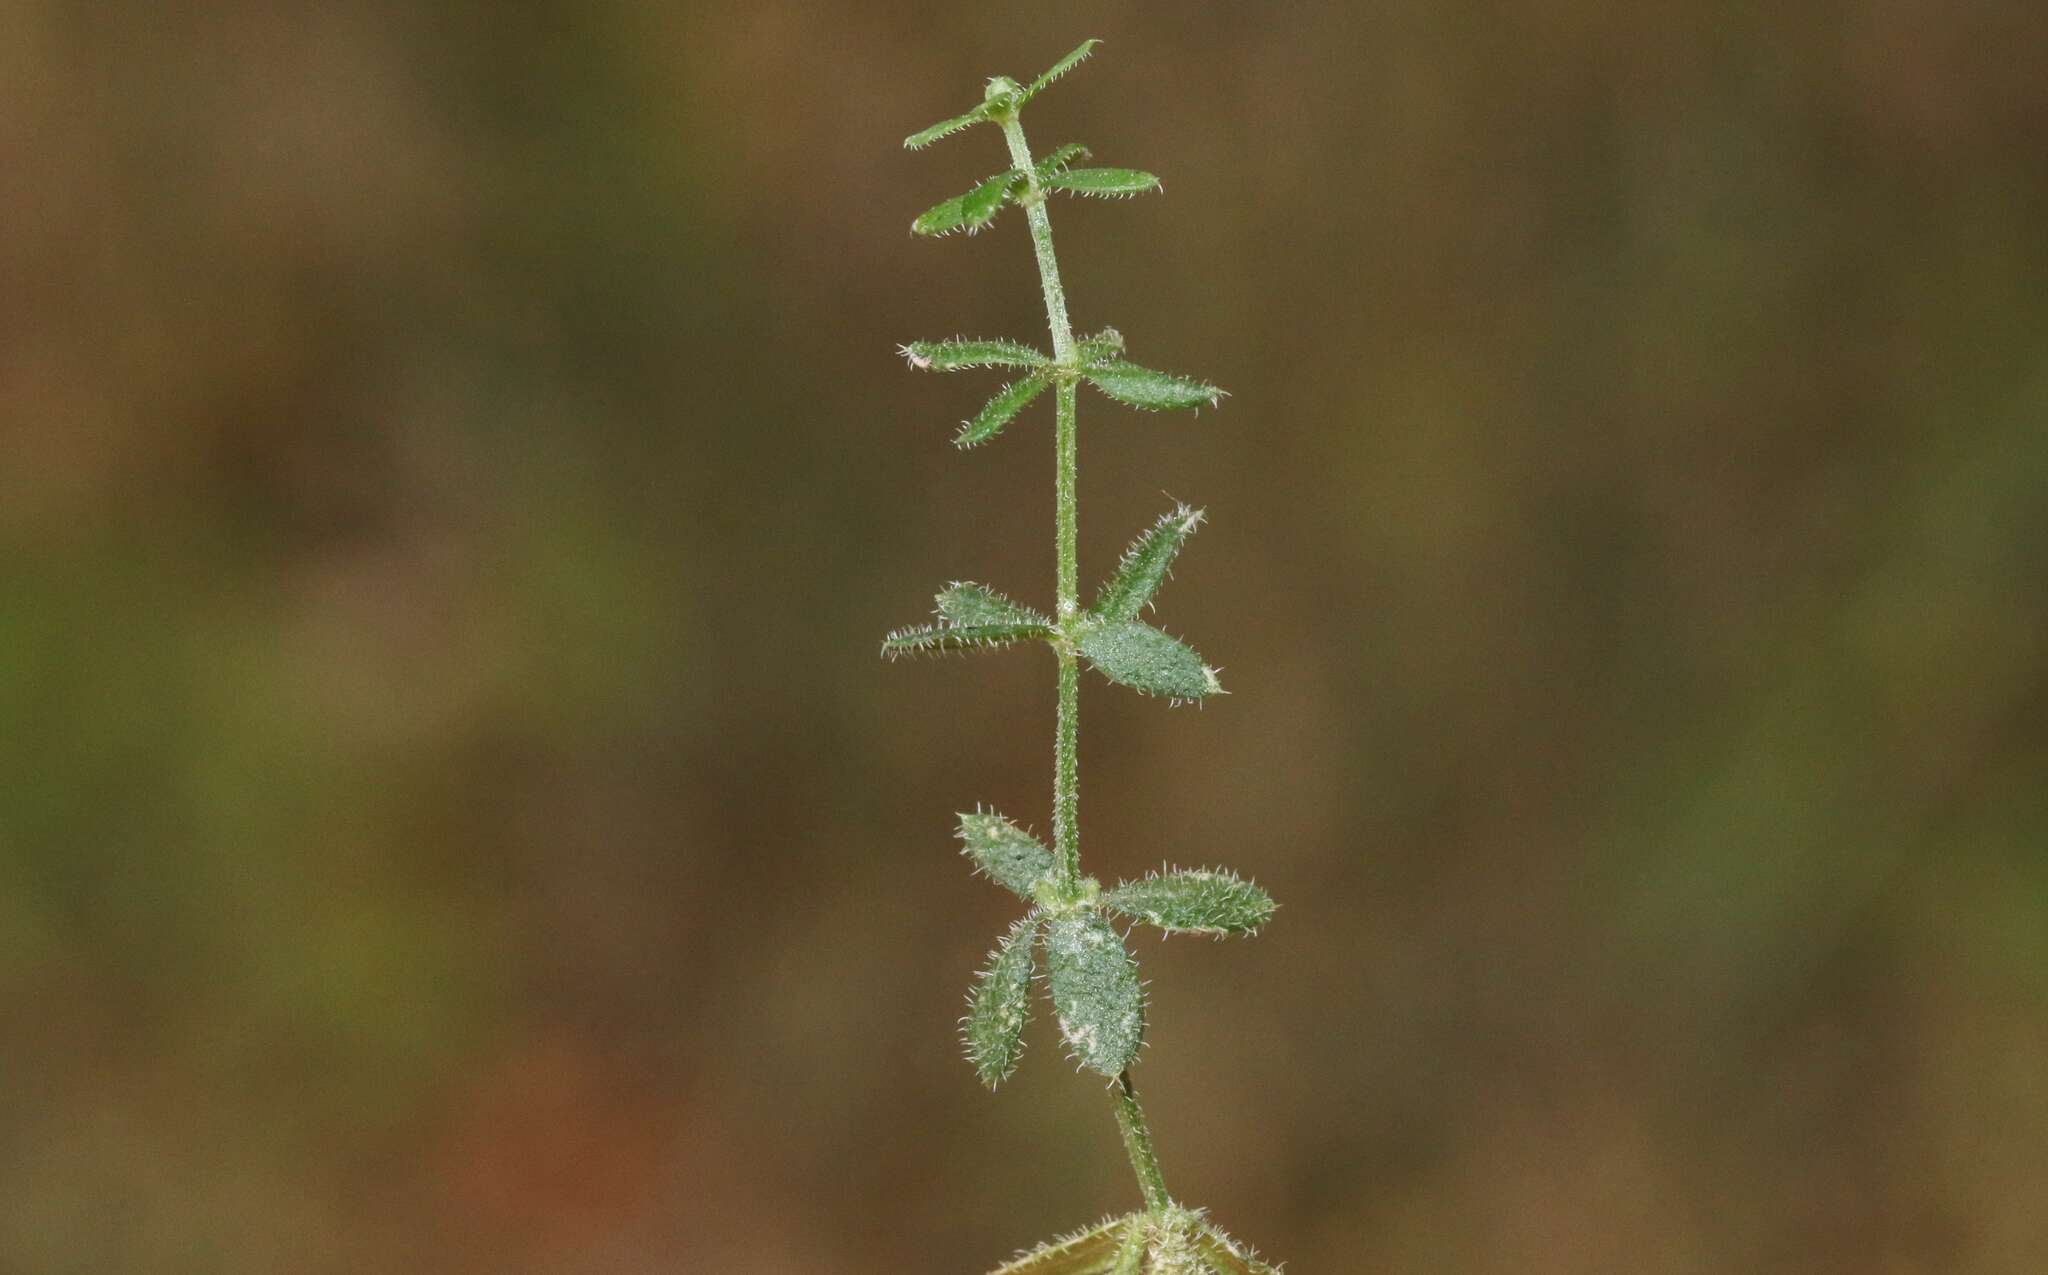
(1151, 391)
(966, 604)
(926, 639)
(1145, 566)
(1104, 345)
(946, 128)
(968, 212)
(993, 1031)
(1059, 68)
(958, 353)
(1226, 1255)
(1095, 991)
(1056, 163)
(1102, 183)
(1134, 654)
(1003, 852)
(1093, 1251)
(1001, 410)
(1199, 901)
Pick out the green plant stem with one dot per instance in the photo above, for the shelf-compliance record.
(1130, 1117)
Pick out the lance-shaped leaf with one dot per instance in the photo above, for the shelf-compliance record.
(1003, 852)
(931, 639)
(1145, 566)
(1151, 391)
(946, 128)
(1199, 901)
(1001, 410)
(1102, 183)
(1095, 991)
(992, 1034)
(968, 605)
(1056, 163)
(1227, 1256)
(959, 353)
(1059, 68)
(1100, 348)
(1094, 1251)
(968, 212)
(1134, 654)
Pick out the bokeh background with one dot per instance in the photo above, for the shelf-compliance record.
(454, 473)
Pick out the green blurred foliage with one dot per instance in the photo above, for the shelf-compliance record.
(454, 473)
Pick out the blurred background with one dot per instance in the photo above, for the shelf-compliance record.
(455, 473)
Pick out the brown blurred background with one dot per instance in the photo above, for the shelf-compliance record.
(454, 474)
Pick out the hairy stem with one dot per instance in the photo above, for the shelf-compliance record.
(1066, 775)
(1130, 1118)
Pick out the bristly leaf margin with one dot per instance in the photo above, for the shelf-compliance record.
(1152, 662)
(1145, 566)
(992, 1033)
(1095, 991)
(1102, 183)
(1058, 69)
(1149, 390)
(1003, 852)
(932, 639)
(1002, 409)
(1213, 901)
(960, 353)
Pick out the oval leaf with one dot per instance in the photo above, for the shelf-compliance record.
(1139, 656)
(1101, 183)
(1150, 391)
(992, 1034)
(1003, 852)
(1200, 901)
(1001, 410)
(1095, 991)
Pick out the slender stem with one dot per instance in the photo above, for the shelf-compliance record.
(1066, 770)
(1130, 1118)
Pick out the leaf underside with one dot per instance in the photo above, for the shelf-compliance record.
(1088, 1252)
(931, 639)
(1148, 390)
(1145, 566)
(992, 1034)
(1226, 1255)
(968, 212)
(1003, 852)
(1001, 410)
(1095, 991)
(1102, 183)
(960, 353)
(1134, 654)
(1198, 901)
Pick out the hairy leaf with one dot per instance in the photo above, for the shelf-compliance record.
(1059, 68)
(1095, 991)
(1102, 183)
(946, 128)
(968, 212)
(926, 639)
(958, 353)
(1003, 852)
(1228, 1256)
(1130, 1257)
(993, 1031)
(1001, 410)
(1134, 654)
(1056, 163)
(1103, 346)
(966, 604)
(1141, 387)
(1198, 901)
(1087, 1252)
(1145, 566)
